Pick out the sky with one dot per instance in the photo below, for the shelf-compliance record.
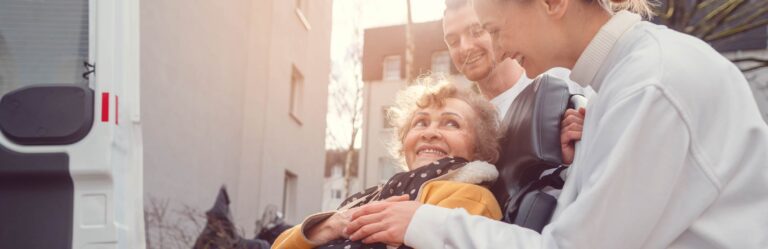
(379, 13)
(347, 15)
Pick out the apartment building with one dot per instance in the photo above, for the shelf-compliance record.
(234, 93)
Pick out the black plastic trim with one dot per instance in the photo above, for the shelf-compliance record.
(36, 200)
(54, 114)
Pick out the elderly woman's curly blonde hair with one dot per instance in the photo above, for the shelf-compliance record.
(431, 91)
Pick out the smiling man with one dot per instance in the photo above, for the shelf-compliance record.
(499, 76)
(472, 53)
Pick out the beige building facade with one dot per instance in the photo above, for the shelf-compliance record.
(234, 93)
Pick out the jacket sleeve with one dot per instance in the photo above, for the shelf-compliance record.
(475, 199)
(292, 238)
(296, 238)
(633, 165)
(639, 182)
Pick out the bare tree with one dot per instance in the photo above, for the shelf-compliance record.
(353, 107)
(355, 110)
(168, 228)
(717, 20)
(355, 120)
(346, 95)
(155, 215)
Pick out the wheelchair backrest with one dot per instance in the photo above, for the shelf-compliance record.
(531, 142)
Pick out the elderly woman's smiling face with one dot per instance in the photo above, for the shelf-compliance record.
(438, 132)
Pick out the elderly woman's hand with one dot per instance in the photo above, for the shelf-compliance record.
(332, 228)
(383, 222)
(570, 132)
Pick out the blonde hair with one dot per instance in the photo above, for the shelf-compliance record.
(430, 90)
(643, 8)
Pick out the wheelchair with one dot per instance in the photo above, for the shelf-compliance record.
(530, 167)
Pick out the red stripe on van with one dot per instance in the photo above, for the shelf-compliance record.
(104, 107)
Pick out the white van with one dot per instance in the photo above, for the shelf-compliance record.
(70, 140)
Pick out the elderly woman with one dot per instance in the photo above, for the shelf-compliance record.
(446, 137)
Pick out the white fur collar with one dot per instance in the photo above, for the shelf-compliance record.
(474, 172)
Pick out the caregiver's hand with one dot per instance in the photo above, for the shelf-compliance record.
(384, 221)
(570, 131)
(332, 228)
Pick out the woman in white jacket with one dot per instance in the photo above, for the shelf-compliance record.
(674, 152)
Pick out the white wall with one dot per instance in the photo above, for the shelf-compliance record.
(376, 138)
(193, 76)
(336, 182)
(288, 145)
(215, 96)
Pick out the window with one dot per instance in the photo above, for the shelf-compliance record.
(337, 171)
(385, 117)
(290, 185)
(43, 42)
(297, 94)
(392, 67)
(441, 62)
(302, 11)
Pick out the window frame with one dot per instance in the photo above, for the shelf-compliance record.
(290, 191)
(445, 56)
(302, 10)
(385, 68)
(296, 103)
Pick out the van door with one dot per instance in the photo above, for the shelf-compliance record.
(70, 171)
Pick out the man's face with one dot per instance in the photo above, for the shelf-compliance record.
(469, 44)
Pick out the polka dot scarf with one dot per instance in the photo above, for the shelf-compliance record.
(408, 182)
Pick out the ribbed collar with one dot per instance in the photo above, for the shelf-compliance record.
(594, 55)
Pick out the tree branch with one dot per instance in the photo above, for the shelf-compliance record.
(735, 30)
(754, 12)
(690, 14)
(761, 63)
(722, 13)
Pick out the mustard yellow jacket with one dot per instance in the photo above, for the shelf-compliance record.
(476, 199)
